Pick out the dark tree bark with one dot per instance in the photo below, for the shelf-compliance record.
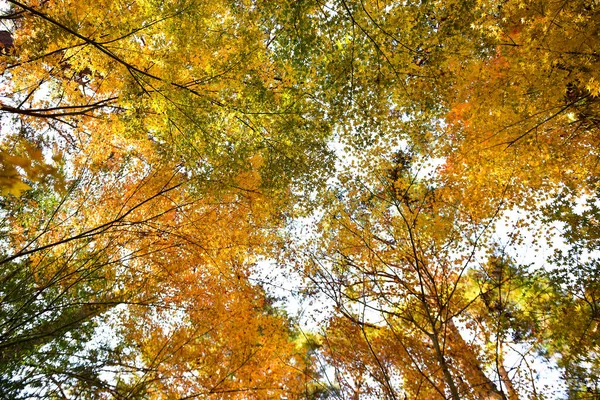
(6, 43)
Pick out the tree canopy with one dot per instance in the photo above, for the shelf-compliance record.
(425, 173)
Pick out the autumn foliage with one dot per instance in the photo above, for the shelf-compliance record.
(398, 163)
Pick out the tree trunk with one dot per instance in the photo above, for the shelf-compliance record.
(512, 393)
(471, 368)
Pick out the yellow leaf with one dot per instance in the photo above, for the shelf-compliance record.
(15, 189)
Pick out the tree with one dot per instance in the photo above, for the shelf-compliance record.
(212, 100)
(503, 95)
(152, 153)
(394, 260)
(133, 237)
(175, 150)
